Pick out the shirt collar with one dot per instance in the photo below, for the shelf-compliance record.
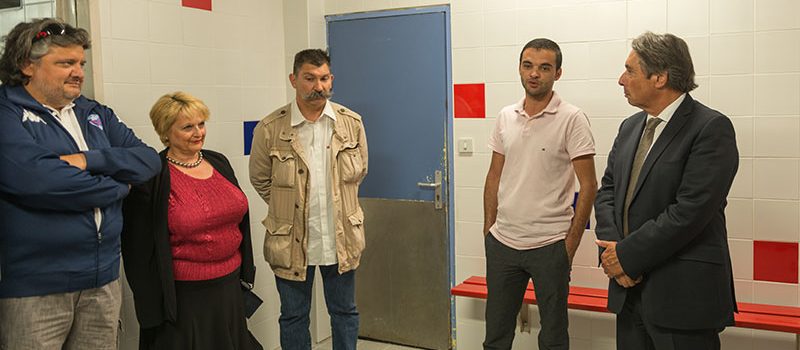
(59, 112)
(551, 108)
(297, 116)
(668, 112)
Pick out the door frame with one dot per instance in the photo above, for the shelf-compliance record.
(449, 120)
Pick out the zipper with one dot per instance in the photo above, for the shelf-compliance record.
(98, 220)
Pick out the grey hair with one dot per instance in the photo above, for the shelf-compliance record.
(666, 53)
(19, 49)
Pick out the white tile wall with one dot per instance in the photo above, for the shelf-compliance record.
(577, 63)
(606, 57)
(502, 63)
(466, 6)
(130, 19)
(777, 94)
(731, 16)
(688, 17)
(646, 15)
(739, 218)
(732, 95)
(700, 50)
(732, 53)
(467, 30)
(743, 183)
(777, 220)
(773, 340)
(499, 95)
(776, 178)
(164, 28)
(499, 27)
(468, 66)
(197, 27)
(777, 52)
(777, 137)
(744, 135)
(470, 239)
(742, 258)
(777, 14)
(167, 64)
(774, 293)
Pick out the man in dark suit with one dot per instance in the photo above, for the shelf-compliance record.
(661, 207)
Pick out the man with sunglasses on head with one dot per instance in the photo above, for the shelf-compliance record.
(66, 163)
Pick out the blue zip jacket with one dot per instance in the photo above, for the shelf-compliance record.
(49, 241)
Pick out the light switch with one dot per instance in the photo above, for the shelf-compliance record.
(465, 145)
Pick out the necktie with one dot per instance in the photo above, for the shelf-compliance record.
(638, 160)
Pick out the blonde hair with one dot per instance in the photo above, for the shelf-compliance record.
(168, 107)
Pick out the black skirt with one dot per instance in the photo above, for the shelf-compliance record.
(210, 317)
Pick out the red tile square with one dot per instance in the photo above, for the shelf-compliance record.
(198, 4)
(775, 261)
(469, 100)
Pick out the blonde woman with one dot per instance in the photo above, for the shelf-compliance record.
(186, 239)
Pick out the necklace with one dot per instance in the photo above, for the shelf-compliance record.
(194, 164)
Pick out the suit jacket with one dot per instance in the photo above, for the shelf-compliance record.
(678, 240)
(146, 251)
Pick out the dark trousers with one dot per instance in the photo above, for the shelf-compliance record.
(507, 273)
(636, 333)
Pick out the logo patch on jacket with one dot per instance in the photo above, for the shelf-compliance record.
(28, 116)
(94, 119)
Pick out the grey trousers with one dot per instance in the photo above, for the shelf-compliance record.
(87, 319)
(507, 273)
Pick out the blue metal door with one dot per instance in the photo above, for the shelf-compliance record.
(393, 68)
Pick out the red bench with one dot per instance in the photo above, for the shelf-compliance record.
(754, 316)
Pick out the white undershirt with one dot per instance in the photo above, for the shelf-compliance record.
(66, 116)
(315, 138)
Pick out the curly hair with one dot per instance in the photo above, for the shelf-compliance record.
(29, 41)
(170, 106)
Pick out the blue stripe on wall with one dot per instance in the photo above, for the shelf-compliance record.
(249, 126)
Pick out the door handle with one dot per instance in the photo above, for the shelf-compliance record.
(436, 185)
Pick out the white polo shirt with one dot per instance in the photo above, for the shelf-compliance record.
(537, 186)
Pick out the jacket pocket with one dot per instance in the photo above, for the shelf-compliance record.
(356, 241)
(283, 168)
(278, 243)
(351, 164)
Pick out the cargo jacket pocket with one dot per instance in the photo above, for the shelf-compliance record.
(278, 243)
(283, 168)
(351, 163)
(356, 241)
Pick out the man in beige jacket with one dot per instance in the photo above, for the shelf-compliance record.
(307, 161)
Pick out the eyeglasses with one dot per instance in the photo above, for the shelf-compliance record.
(52, 29)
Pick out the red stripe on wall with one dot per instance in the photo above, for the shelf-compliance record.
(198, 4)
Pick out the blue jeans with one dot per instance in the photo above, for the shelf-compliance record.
(296, 304)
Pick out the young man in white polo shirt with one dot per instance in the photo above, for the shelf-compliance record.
(531, 231)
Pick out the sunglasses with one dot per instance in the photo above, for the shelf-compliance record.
(52, 29)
